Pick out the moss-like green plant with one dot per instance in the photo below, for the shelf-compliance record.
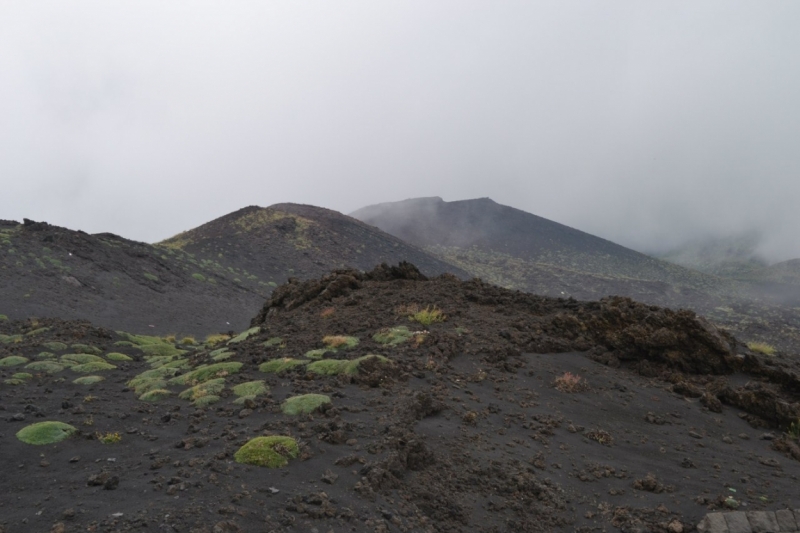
(333, 367)
(392, 336)
(305, 403)
(163, 350)
(45, 432)
(155, 395)
(3, 317)
(198, 276)
(55, 346)
(155, 374)
(126, 343)
(88, 380)
(244, 335)
(85, 348)
(49, 367)
(206, 372)
(45, 355)
(318, 354)
(10, 339)
(271, 452)
(273, 342)
(88, 368)
(428, 316)
(222, 356)
(206, 400)
(217, 338)
(22, 375)
(762, 348)
(188, 340)
(72, 359)
(182, 364)
(339, 342)
(280, 365)
(37, 331)
(151, 277)
(251, 388)
(212, 387)
(13, 360)
(116, 356)
(148, 385)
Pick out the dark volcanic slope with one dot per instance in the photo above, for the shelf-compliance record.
(291, 240)
(51, 271)
(472, 424)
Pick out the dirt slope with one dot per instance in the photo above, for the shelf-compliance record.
(52, 271)
(471, 424)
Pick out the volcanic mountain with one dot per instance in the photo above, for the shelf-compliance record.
(291, 240)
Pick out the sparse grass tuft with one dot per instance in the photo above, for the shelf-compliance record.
(392, 336)
(170, 339)
(569, 382)
(216, 338)
(13, 360)
(327, 312)
(188, 341)
(92, 367)
(155, 395)
(280, 365)
(305, 403)
(72, 359)
(337, 342)
(428, 316)
(88, 380)
(45, 432)
(794, 430)
(46, 355)
(55, 346)
(207, 372)
(148, 378)
(85, 348)
(317, 354)
(212, 387)
(3, 317)
(244, 335)
(49, 367)
(198, 276)
(206, 400)
(108, 438)
(334, 367)
(116, 356)
(36, 331)
(273, 342)
(151, 277)
(762, 348)
(271, 452)
(251, 388)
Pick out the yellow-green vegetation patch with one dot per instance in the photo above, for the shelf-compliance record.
(251, 388)
(55, 346)
(37, 331)
(182, 364)
(216, 338)
(49, 367)
(333, 367)
(126, 343)
(72, 359)
(13, 360)
(164, 350)
(22, 376)
(244, 335)
(155, 374)
(88, 368)
(212, 387)
(206, 400)
(280, 365)
(206, 372)
(198, 276)
(339, 342)
(272, 452)
(88, 380)
(318, 353)
(305, 403)
(45, 355)
(14, 381)
(762, 348)
(85, 348)
(273, 342)
(393, 336)
(3, 317)
(10, 339)
(45, 432)
(222, 356)
(142, 387)
(428, 316)
(116, 356)
(188, 341)
(155, 395)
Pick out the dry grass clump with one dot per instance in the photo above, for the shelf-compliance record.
(569, 382)
(327, 312)
(762, 348)
(217, 338)
(336, 342)
(428, 316)
(600, 435)
(109, 437)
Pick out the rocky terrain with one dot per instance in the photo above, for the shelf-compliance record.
(389, 401)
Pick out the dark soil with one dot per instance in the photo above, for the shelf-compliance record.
(468, 428)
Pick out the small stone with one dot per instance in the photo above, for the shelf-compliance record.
(675, 527)
(695, 435)
(58, 527)
(767, 436)
(244, 413)
(727, 440)
(744, 436)
(17, 417)
(330, 477)
(351, 442)
(75, 459)
(68, 513)
(44, 462)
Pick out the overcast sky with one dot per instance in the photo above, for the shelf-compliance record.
(647, 123)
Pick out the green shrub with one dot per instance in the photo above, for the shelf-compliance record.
(428, 316)
(88, 380)
(244, 335)
(84, 348)
(271, 452)
(198, 276)
(72, 359)
(13, 360)
(392, 336)
(212, 387)
(317, 354)
(251, 388)
(46, 355)
(49, 367)
(280, 365)
(92, 367)
(207, 372)
(45, 432)
(272, 342)
(55, 346)
(116, 356)
(155, 395)
(305, 403)
(333, 367)
(762, 348)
